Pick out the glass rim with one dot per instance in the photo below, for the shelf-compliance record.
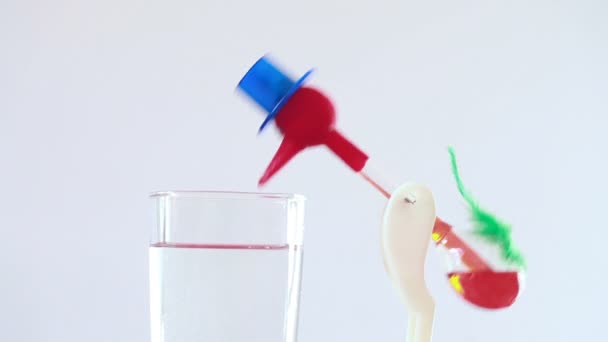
(219, 194)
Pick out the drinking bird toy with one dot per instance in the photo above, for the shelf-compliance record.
(485, 268)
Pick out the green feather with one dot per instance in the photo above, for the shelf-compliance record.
(486, 225)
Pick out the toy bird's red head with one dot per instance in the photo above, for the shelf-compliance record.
(304, 115)
(307, 120)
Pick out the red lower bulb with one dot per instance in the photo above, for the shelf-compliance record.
(487, 289)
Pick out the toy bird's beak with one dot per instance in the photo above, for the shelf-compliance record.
(288, 149)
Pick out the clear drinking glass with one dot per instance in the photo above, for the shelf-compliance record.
(226, 267)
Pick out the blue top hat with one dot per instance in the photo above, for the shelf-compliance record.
(269, 87)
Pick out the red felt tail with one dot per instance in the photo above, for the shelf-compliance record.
(286, 151)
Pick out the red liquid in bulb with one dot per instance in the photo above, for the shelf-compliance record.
(487, 289)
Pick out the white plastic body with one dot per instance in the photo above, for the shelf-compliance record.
(406, 234)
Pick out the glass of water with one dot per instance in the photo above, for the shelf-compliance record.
(226, 267)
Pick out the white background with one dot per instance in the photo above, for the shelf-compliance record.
(102, 102)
